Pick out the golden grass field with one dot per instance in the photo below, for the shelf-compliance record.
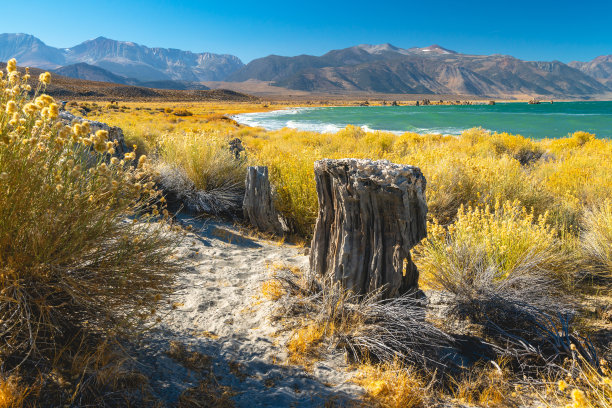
(68, 259)
(506, 197)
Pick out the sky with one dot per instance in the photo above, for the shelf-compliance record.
(531, 30)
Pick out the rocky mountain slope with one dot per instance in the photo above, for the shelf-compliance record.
(88, 72)
(600, 68)
(122, 58)
(431, 70)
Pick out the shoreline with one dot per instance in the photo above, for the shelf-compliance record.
(266, 119)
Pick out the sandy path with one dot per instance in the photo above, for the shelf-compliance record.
(219, 312)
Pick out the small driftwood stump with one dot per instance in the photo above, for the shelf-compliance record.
(258, 205)
(371, 213)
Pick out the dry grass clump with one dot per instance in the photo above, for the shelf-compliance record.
(77, 251)
(322, 315)
(181, 112)
(200, 171)
(98, 374)
(188, 358)
(582, 386)
(392, 385)
(499, 269)
(484, 385)
(596, 240)
(272, 289)
(205, 158)
(208, 393)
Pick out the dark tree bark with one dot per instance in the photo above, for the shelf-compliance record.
(371, 213)
(258, 205)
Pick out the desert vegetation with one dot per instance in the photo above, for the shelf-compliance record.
(85, 254)
(517, 263)
(519, 246)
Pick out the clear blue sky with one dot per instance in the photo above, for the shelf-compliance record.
(534, 29)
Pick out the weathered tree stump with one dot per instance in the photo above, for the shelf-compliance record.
(258, 205)
(371, 213)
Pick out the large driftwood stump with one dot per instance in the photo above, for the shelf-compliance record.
(371, 213)
(258, 205)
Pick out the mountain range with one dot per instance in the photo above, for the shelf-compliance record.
(381, 68)
(122, 58)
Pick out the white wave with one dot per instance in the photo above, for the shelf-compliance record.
(266, 120)
(440, 130)
(275, 120)
(313, 127)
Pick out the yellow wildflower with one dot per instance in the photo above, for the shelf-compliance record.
(99, 146)
(11, 65)
(30, 108)
(579, 398)
(53, 111)
(142, 161)
(11, 107)
(101, 134)
(45, 78)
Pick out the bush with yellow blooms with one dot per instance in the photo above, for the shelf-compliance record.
(78, 253)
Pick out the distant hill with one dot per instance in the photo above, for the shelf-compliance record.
(121, 58)
(432, 70)
(90, 73)
(600, 68)
(93, 73)
(65, 88)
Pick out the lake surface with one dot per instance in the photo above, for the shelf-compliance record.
(545, 120)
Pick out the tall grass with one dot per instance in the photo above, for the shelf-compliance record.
(596, 242)
(77, 251)
(477, 167)
(206, 159)
(201, 173)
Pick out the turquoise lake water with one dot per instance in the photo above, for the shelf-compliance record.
(536, 121)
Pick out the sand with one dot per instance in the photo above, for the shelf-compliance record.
(219, 311)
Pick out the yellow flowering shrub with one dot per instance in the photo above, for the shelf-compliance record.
(76, 249)
(507, 235)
